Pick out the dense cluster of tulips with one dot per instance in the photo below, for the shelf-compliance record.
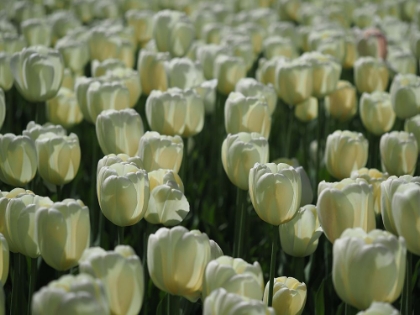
(235, 157)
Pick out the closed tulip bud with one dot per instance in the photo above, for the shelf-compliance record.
(130, 79)
(221, 302)
(372, 42)
(2, 108)
(26, 10)
(103, 96)
(376, 112)
(21, 211)
(63, 109)
(126, 53)
(212, 33)
(167, 204)
(207, 55)
(173, 32)
(299, 237)
(345, 152)
(121, 273)
(293, 81)
(84, 10)
(412, 125)
(402, 62)
(252, 88)
(349, 202)
(242, 48)
(289, 295)
(81, 294)
(68, 80)
(58, 157)
(405, 95)
(123, 193)
(75, 53)
(326, 73)
(176, 259)
(329, 42)
(207, 92)
(142, 23)
(370, 75)
(119, 131)
(110, 159)
(375, 178)
(228, 71)
(275, 46)
(37, 32)
(4, 259)
(351, 53)
(183, 73)
(342, 103)
(257, 34)
(405, 213)
(12, 43)
(68, 224)
(269, 181)
(307, 110)
(239, 154)
(151, 68)
(399, 153)
(160, 151)
(81, 87)
(18, 159)
(380, 308)
(101, 68)
(235, 276)
(377, 257)
(6, 77)
(104, 44)
(34, 130)
(266, 72)
(247, 114)
(38, 72)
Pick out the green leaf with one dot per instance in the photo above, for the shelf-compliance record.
(319, 300)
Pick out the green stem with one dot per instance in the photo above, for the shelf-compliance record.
(318, 139)
(275, 236)
(32, 281)
(100, 230)
(59, 193)
(168, 305)
(406, 299)
(16, 284)
(184, 166)
(120, 235)
(241, 196)
(289, 130)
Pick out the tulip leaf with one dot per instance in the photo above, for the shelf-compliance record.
(319, 299)
(415, 275)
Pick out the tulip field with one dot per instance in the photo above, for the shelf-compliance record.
(235, 157)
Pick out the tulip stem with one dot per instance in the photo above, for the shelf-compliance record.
(16, 284)
(275, 238)
(239, 222)
(120, 235)
(59, 193)
(32, 281)
(318, 141)
(406, 302)
(289, 130)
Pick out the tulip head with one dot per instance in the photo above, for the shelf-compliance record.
(63, 109)
(349, 202)
(370, 75)
(412, 125)
(38, 72)
(228, 71)
(405, 95)
(380, 308)
(275, 192)
(299, 236)
(6, 76)
(151, 68)
(342, 103)
(4, 259)
(368, 267)
(67, 223)
(399, 153)
(376, 112)
(345, 152)
(176, 259)
(251, 87)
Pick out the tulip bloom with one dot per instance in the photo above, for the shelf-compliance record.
(399, 153)
(341, 104)
(251, 87)
(4, 259)
(58, 157)
(368, 267)
(221, 302)
(142, 23)
(412, 126)
(307, 110)
(63, 109)
(18, 159)
(299, 237)
(239, 154)
(119, 131)
(370, 75)
(275, 191)
(81, 294)
(37, 32)
(167, 203)
(123, 193)
(346, 204)
(176, 259)
(159, 151)
(345, 152)
(405, 95)
(6, 77)
(376, 112)
(289, 295)
(183, 73)
(121, 273)
(228, 71)
(38, 72)
(380, 308)
(152, 71)
(75, 53)
(235, 276)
